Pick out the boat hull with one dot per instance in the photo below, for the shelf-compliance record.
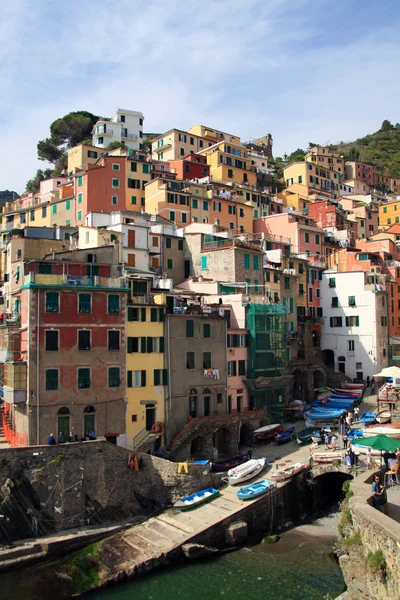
(288, 473)
(254, 491)
(225, 465)
(238, 477)
(190, 502)
(326, 457)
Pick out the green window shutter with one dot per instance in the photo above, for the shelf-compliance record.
(143, 378)
(80, 198)
(291, 305)
(168, 242)
(149, 344)
(206, 330)
(347, 321)
(161, 315)
(114, 378)
(83, 378)
(256, 286)
(205, 205)
(165, 377)
(130, 345)
(247, 261)
(130, 313)
(161, 344)
(169, 263)
(143, 345)
(357, 321)
(80, 180)
(189, 328)
(52, 379)
(52, 299)
(180, 244)
(133, 166)
(113, 304)
(143, 315)
(153, 315)
(133, 200)
(54, 209)
(255, 262)
(85, 303)
(79, 215)
(204, 262)
(129, 379)
(145, 168)
(195, 204)
(68, 205)
(157, 378)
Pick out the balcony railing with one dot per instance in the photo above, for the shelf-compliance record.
(75, 280)
(141, 299)
(129, 136)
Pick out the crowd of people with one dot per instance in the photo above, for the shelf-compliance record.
(72, 437)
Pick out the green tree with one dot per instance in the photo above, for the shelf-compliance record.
(146, 146)
(33, 185)
(297, 155)
(47, 150)
(386, 126)
(115, 145)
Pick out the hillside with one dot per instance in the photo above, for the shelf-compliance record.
(6, 195)
(380, 149)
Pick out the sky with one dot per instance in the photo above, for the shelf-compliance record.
(302, 70)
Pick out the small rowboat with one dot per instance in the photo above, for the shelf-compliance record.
(326, 457)
(246, 471)
(252, 491)
(224, 465)
(384, 416)
(268, 432)
(285, 436)
(392, 431)
(288, 472)
(196, 499)
(304, 436)
(368, 418)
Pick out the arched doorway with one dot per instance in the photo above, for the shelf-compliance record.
(342, 364)
(193, 403)
(63, 417)
(89, 420)
(328, 357)
(319, 379)
(197, 448)
(246, 435)
(221, 442)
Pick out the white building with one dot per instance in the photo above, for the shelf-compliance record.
(355, 331)
(125, 126)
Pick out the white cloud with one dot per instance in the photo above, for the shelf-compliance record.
(247, 67)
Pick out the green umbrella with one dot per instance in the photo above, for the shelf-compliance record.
(378, 442)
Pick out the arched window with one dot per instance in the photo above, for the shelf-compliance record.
(207, 401)
(193, 403)
(341, 359)
(89, 409)
(64, 411)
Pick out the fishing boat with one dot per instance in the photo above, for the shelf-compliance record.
(194, 500)
(368, 418)
(383, 416)
(267, 432)
(324, 395)
(287, 472)
(355, 434)
(246, 471)
(224, 465)
(256, 489)
(391, 430)
(304, 436)
(344, 392)
(326, 457)
(332, 404)
(285, 436)
(322, 415)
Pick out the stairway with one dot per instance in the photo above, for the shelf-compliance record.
(144, 440)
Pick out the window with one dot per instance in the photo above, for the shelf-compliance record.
(352, 321)
(350, 345)
(157, 376)
(51, 340)
(168, 242)
(113, 340)
(352, 300)
(115, 183)
(79, 215)
(145, 168)
(206, 360)
(133, 167)
(242, 367)
(80, 177)
(133, 199)
(32, 215)
(335, 321)
(384, 321)
(51, 379)
(83, 378)
(114, 377)
(136, 314)
(52, 302)
(113, 304)
(307, 237)
(317, 238)
(301, 268)
(332, 282)
(92, 154)
(132, 344)
(247, 261)
(189, 328)
(335, 302)
(114, 199)
(287, 283)
(230, 173)
(232, 372)
(255, 262)
(190, 360)
(206, 330)
(100, 140)
(84, 303)
(115, 166)
(180, 244)
(169, 263)
(205, 205)
(301, 289)
(53, 209)
(204, 262)
(195, 204)
(83, 339)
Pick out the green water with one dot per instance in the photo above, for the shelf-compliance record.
(297, 567)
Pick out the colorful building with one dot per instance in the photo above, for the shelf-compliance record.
(389, 214)
(125, 126)
(360, 172)
(313, 175)
(192, 166)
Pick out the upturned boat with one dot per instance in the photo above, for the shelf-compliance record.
(304, 436)
(253, 491)
(285, 436)
(224, 465)
(368, 418)
(287, 472)
(194, 500)
(391, 430)
(267, 432)
(326, 457)
(246, 471)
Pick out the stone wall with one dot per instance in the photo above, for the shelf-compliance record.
(370, 558)
(87, 483)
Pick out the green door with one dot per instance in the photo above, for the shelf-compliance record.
(63, 427)
(89, 423)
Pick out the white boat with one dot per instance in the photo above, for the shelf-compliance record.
(287, 472)
(246, 471)
(391, 431)
(384, 416)
(364, 450)
(267, 428)
(326, 457)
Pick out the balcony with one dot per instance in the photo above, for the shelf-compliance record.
(106, 132)
(129, 136)
(141, 299)
(75, 281)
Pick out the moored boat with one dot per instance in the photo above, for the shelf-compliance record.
(194, 500)
(253, 491)
(383, 416)
(326, 457)
(287, 472)
(304, 436)
(224, 465)
(246, 471)
(391, 430)
(285, 436)
(267, 432)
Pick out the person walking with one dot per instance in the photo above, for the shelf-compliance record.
(333, 442)
(369, 458)
(372, 386)
(326, 441)
(368, 382)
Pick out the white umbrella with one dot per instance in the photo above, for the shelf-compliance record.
(389, 372)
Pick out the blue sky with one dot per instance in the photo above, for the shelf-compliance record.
(303, 70)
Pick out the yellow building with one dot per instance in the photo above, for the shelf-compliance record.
(299, 200)
(94, 237)
(176, 143)
(228, 162)
(315, 177)
(324, 157)
(389, 214)
(147, 373)
(138, 173)
(213, 135)
(79, 157)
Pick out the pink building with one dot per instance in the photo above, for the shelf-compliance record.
(304, 235)
(238, 400)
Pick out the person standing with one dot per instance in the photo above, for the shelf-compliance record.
(333, 441)
(369, 458)
(326, 441)
(60, 439)
(373, 386)
(368, 382)
(345, 440)
(379, 495)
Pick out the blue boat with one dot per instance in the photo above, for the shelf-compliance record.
(320, 409)
(285, 436)
(196, 499)
(322, 415)
(252, 491)
(355, 434)
(368, 418)
(334, 405)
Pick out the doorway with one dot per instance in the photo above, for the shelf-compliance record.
(187, 269)
(150, 417)
(63, 422)
(207, 402)
(89, 419)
